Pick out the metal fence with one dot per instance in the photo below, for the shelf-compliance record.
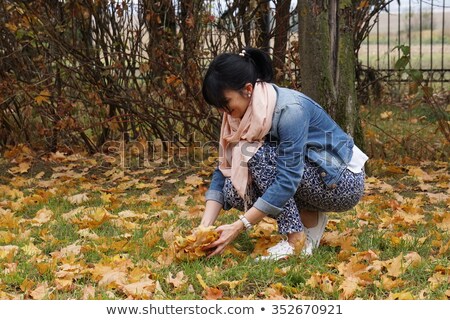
(421, 25)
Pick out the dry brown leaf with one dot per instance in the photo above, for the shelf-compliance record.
(438, 279)
(113, 279)
(78, 198)
(92, 218)
(209, 293)
(71, 250)
(140, 290)
(212, 294)
(42, 216)
(413, 259)
(395, 267)
(178, 281)
(88, 292)
(387, 283)
(349, 287)
(42, 291)
(180, 201)
(325, 282)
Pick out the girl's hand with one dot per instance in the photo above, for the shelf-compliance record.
(228, 232)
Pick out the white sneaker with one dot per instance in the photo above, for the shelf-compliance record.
(281, 250)
(314, 234)
(308, 249)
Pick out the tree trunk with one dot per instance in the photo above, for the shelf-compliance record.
(263, 25)
(327, 60)
(281, 36)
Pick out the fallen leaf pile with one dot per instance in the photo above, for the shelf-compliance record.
(193, 246)
(86, 227)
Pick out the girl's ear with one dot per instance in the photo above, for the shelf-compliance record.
(248, 89)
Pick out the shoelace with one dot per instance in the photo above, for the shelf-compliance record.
(309, 239)
(279, 246)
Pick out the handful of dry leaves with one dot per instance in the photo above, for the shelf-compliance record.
(193, 246)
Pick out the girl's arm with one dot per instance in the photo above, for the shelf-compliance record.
(211, 213)
(229, 232)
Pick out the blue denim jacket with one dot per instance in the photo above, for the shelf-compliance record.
(302, 130)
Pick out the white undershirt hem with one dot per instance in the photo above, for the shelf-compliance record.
(357, 161)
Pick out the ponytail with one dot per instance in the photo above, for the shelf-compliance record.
(262, 62)
(232, 71)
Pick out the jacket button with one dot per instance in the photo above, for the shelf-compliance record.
(323, 174)
(333, 186)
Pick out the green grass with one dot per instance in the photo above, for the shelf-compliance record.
(409, 129)
(122, 244)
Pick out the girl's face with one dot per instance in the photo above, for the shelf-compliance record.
(238, 101)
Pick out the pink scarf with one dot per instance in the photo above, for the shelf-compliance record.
(241, 138)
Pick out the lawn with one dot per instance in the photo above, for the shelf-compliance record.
(77, 226)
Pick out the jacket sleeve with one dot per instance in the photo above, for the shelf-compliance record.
(215, 191)
(292, 134)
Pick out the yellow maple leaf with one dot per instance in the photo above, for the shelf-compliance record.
(44, 96)
(349, 287)
(201, 281)
(193, 180)
(420, 174)
(23, 167)
(404, 295)
(264, 229)
(233, 284)
(395, 267)
(6, 237)
(64, 284)
(445, 223)
(8, 251)
(324, 281)
(31, 250)
(386, 115)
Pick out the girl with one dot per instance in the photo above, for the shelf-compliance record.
(280, 155)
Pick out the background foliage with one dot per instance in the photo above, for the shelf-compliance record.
(81, 73)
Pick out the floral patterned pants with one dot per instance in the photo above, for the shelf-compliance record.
(313, 194)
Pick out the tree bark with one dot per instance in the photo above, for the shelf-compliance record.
(327, 60)
(263, 25)
(282, 18)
